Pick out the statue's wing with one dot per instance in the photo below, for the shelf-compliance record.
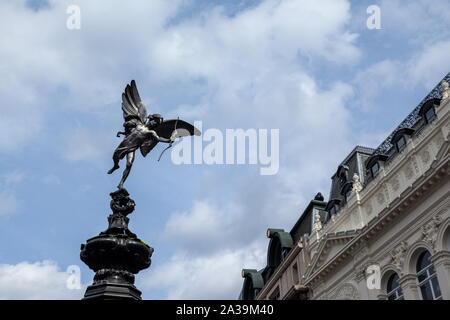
(147, 146)
(132, 105)
(183, 128)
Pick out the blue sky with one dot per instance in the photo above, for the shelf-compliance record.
(309, 68)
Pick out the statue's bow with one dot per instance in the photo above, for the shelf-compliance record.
(170, 145)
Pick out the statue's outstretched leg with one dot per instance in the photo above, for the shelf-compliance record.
(115, 167)
(126, 172)
(116, 159)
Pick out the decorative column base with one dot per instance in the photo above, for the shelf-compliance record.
(116, 255)
(112, 291)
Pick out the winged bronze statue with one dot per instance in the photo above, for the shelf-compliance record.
(144, 132)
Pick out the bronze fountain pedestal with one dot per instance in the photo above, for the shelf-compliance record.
(116, 254)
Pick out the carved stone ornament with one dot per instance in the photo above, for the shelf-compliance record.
(409, 172)
(439, 141)
(425, 155)
(416, 166)
(395, 183)
(347, 292)
(398, 255)
(430, 230)
(380, 198)
(361, 271)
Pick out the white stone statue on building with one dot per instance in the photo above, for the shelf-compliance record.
(357, 186)
(445, 90)
(317, 223)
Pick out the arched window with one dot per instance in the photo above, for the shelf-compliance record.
(426, 277)
(393, 290)
(447, 238)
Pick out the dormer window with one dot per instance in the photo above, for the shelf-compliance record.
(401, 144)
(347, 190)
(374, 169)
(373, 164)
(399, 138)
(332, 210)
(427, 111)
(342, 174)
(430, 115)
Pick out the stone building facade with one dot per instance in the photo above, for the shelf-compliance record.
(384, 232)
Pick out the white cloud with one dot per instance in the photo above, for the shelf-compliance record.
(51, 179)
(417, 21)
(84, 144)
(208, 228)
(39, 280)
(44, 64)
(205, 221)
(372, 80)
(216, 276)
(13, 178)
(256, 40)
(422, 69)
(8, 203)
(417, 60)
(430, 64)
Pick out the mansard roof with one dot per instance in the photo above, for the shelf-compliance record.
(412, 124)
(303, 224)
(412, 119)
(360, 149)
(352, 164)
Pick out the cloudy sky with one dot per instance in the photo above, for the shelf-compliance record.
(311, 69)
